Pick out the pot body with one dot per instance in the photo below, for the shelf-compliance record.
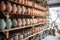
(14, 8)
(8, 23)
(14, 23)
(23, 22)
(19, 23)
(2, 24)
(19, 9)
(8, 7)
(2, 6)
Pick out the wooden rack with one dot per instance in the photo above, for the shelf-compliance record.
(6, 31)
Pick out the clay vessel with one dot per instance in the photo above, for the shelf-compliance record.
(2, 6)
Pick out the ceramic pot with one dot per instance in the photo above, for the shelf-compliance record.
(2, 24)
(31, 21)
(15, 37)
(27, 21)
(21, 37)
(23, 10)
(14, 8)
(8, 23)
(19, 22)
(19, 9)
(14, 23)
(23, 22)
(8, 7)
(2, 6)
(19, 1)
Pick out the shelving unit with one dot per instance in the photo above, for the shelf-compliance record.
(32, 26)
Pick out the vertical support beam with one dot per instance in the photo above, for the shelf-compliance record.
(7, 34)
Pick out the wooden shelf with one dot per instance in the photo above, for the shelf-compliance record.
(36, 33)
(17, 28)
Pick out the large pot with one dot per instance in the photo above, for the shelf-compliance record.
(14, 23)
(2, 24)
(8, 7)
(8, 23)
(14, 8)
(19, 22)
(19, 9)
(2, 6)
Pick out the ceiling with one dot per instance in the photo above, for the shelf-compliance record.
(53, 1)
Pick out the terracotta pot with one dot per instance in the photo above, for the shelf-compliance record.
(19, 9)
(23, 22)
(29, 12)
(23, 1)
(31, 21)
(20, 37)
(23, 10)
(8, 7)
(19, 22)
(2, 6)
(19, 1)
(27, 21)
(14, 8)
(14, 23)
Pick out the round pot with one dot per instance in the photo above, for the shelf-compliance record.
(2, 6)
(19, 9)
(14, 8)
(14, 23)
(8, 7)
(8, 23)
(19, 22)
(2, 24)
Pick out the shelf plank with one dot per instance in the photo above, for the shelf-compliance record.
(36, 33)
(22, 27)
